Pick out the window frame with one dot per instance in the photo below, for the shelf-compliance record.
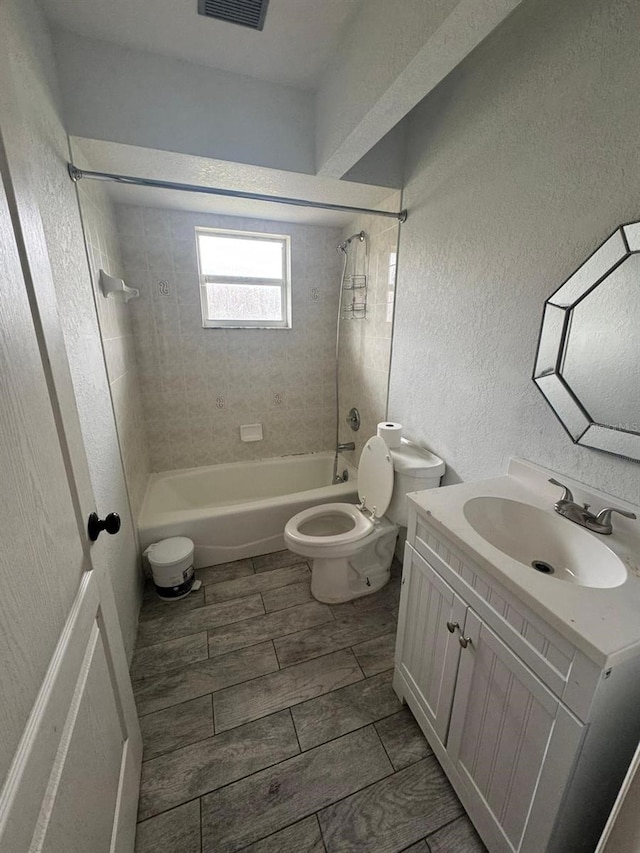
(284, 283)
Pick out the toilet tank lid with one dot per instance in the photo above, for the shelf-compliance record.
(416, 461)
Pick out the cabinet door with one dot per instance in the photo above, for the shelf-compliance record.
(511, 742)
(427, 652)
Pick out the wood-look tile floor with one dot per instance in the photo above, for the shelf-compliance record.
(270, 725)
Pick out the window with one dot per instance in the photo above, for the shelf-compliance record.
(244, 279)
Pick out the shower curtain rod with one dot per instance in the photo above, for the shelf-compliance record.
(76, 174)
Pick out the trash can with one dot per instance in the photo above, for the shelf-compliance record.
(171, 562)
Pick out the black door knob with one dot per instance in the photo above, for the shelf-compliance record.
(96, 525)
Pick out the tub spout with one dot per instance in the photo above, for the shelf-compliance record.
(349, 445)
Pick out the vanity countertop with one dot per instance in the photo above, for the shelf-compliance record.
(604, 623)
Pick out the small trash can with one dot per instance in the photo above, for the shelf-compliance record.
(171, 562)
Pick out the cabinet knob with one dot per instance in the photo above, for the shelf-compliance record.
(451, 627)
(464, 641)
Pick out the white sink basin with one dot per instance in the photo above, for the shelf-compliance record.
(540, 540)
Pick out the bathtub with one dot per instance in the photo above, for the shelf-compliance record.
(239, 509)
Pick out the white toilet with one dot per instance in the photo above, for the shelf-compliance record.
(352, 546)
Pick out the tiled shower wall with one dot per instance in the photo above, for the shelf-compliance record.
(199, 385)
(114, 319)
(365, 344)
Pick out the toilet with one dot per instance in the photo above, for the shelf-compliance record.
(352, 546)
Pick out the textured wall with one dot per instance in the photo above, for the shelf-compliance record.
(47, 154)
(199, 385)
(114, 319)
(518, 166)
(365, 345)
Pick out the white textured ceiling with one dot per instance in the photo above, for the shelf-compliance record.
(115, 158)
(297, 42)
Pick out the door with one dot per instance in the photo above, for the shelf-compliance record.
(511, 742)
(427, 652)
(70, 747)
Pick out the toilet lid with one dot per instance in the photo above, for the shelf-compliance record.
(375, 476)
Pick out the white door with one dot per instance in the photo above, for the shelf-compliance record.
(427, 651)
(70, 747)
(512, 744)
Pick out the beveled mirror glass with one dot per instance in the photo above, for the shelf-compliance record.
(588, 359)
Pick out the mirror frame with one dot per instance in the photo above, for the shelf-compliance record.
(553, 339)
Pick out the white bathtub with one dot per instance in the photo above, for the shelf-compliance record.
(240, 509)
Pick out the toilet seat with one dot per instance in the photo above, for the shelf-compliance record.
(375, 485)
(362, 526)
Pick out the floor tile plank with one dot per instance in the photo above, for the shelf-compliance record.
(261, 696)
(194, 770)
(225, 571)
(302, 837)
(403, 739)
(200, 619)
(153, 694)
(376, 655)
(269, 800)
(277, 560)
(287, 596)
(397, 811)
(387, 597)
(154, 607)
(256, 583)
(345, 631)
(171, 654)
(344, 710)
(266, 627)
(459, 836)
(176, 831)
(178, 726)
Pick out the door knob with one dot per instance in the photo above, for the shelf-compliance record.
(95, 526)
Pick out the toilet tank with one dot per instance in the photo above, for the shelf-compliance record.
(414, 469)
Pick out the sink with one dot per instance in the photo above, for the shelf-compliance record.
(542, 541)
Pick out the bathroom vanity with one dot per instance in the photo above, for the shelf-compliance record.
(526, 684)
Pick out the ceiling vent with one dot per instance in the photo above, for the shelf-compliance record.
(247, 13)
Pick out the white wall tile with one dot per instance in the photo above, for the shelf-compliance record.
(215, 379)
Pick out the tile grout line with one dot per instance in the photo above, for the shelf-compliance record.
(322, 838)
(276, 764)
(289, 708)
(339, 649)
(448, 823)
(275, 651)
(253, 678)
(195, 610)
(249, 577)
(293, 723)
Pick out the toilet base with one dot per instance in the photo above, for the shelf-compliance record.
(335, 580)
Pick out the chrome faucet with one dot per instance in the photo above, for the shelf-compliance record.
(349, 445)
(600, 523)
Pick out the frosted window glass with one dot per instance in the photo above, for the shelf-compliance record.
(234, 256)
(244, 302)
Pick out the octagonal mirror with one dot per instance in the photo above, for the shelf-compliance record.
(588, 359)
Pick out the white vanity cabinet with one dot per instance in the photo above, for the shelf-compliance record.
(523, 723)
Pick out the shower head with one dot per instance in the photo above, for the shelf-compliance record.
(342, 247)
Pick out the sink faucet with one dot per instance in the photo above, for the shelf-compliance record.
(600, 523)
